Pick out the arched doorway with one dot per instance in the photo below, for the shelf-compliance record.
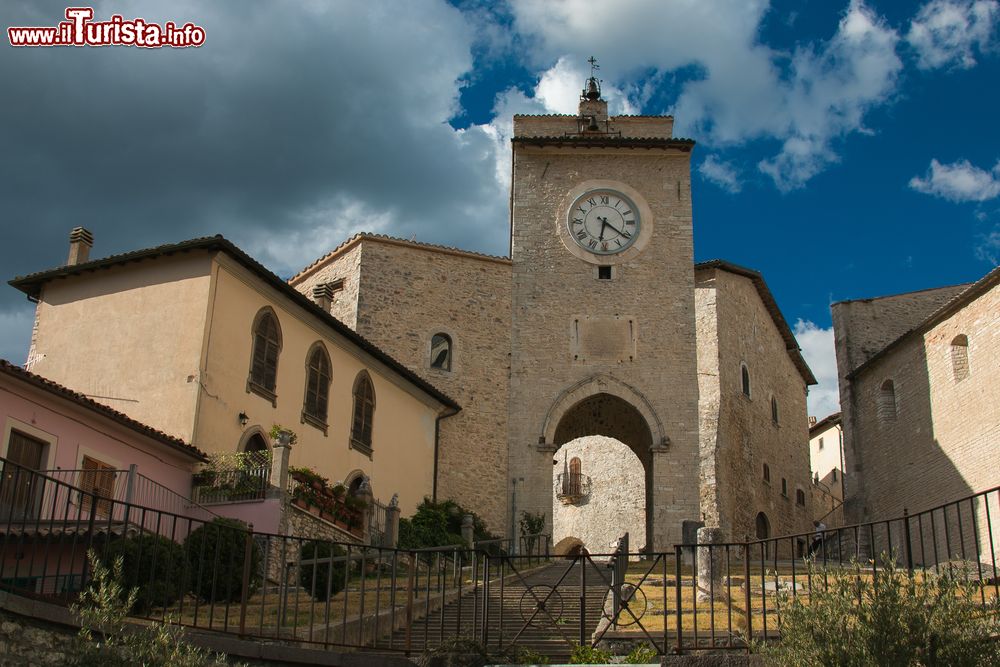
(763, 530)
(255, 443)
(616, 419)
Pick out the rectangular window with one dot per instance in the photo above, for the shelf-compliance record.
(97, 478)
(20, 490)
(821, 443)
(604, 273)
(784, 487)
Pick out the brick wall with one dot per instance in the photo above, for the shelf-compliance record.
(944, 440)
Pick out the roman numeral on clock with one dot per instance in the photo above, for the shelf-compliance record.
(582, 234)
(593, 243)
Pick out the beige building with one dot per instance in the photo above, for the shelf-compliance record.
(826, 459)
(921, 404)
(200, 341)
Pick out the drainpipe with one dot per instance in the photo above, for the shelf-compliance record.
(437, 446)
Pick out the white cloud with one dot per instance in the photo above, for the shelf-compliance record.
(15, 325)
(831, 89)
(818, 349)
(806, 100)
(945, 33)
(723, 174)
(959, 182)
(988, 249)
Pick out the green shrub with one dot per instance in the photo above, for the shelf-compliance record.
(588, 655)
(642, 654)
(154, 565)
(326, 574)
(216, 553)
(439, 525)
(893, 618)
(105, 640)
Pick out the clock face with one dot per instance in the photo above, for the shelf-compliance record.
(603, 222)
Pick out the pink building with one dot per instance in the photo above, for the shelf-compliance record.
(82, 447)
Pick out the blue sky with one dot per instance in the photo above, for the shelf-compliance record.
(845, 149)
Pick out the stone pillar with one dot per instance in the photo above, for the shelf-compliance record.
(364, 494)
(279, 462)
(391, 539)
(711, 564)
(468, 531)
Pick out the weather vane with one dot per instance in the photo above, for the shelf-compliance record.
(593, 89)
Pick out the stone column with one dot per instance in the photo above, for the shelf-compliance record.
(391, 539)
(279, 462)
(711, 564)
(364, 494)
(468, 531)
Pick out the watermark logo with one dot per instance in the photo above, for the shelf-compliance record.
(79, 29)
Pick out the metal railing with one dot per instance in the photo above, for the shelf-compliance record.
(572, 486)
(233, 477)
(226, 578)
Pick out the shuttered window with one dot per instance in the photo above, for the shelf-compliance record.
(364, 411)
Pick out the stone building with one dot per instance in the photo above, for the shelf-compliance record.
(921, 403)
(598, 325)
(752, 385)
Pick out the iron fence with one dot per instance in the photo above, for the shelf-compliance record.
(504, 594)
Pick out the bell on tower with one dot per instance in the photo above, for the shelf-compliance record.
(593, 89)
(593, 109)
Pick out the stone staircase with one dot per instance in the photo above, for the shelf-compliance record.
(510, 606)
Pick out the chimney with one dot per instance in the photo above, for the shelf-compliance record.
(323, 295)
(812, 421)
(80, 243)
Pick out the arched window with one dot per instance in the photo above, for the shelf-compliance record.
(774, 409)
(314, 408)
(364, 411)
(960, 357)
(264, 359)
(745, 377)
(887, 402)
(441, 351)
(767, 473)
(800, 497)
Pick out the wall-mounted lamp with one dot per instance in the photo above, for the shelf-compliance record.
(244, 419)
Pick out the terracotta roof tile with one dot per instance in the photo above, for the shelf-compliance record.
(80, 399)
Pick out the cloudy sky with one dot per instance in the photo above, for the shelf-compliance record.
(846, 149)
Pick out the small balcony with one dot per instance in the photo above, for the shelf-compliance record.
(572, 487)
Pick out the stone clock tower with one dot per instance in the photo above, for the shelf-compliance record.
(603, 306)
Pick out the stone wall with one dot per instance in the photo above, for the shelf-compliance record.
(744, 434)
(939, 441)
(407, 292)
(616, 503)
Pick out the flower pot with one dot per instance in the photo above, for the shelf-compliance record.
(314, 510)
(327, 516)
(299, 502)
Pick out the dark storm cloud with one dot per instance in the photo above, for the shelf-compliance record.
(291, 122)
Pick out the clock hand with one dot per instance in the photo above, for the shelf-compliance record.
(614, 228)
(604, 223)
